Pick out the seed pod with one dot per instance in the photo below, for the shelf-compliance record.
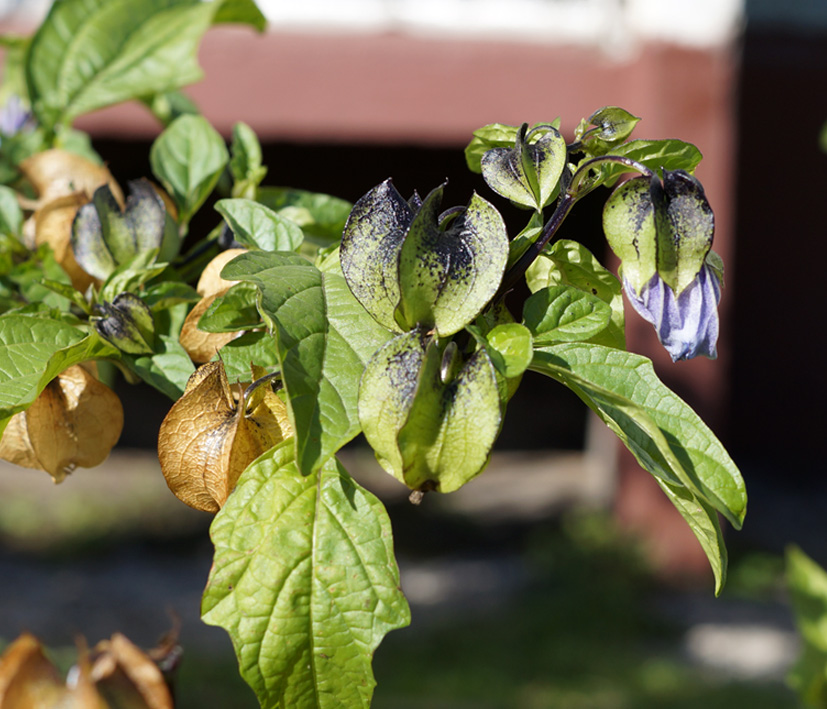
(201, 346)
(75, 422)
(125, 673)
(126, 323)
(53, 226)
(56, 173)
(207, 439)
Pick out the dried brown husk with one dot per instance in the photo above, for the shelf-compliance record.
(127, 676)
(53, 226)
(211, 281)
(207, 439)
(74, 422)
(202, 346)
(57, 173)
(28, 680)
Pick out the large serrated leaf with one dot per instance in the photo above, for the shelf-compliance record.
(91, 54)
(305, 581)
(324, 339)
(447, 274)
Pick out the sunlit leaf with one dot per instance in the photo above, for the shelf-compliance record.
(323, 338)
(256, 226)
(93, 54)
(305, 582)
(564, 314)
(570, 263)
(667, 438)
(188, 158)
(320, 216)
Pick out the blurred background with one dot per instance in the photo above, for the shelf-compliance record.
(562, 577)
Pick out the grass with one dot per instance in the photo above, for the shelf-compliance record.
(582, 637)
(582, 634)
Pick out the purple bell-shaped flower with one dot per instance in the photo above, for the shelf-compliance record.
(686, 324)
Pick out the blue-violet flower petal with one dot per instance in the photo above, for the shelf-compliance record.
(687, 325)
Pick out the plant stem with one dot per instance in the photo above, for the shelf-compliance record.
(517, 271)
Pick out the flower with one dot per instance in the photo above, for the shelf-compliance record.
(14, 116)
(686, 324)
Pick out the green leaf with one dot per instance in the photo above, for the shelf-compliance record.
(305, 582)
(256, 226)
(91, 54)
(564, 314)
(245, 163)
(665, 436)
(647, 415)
(30, 274)
(447, 274)
(657, 155)
(629, 225)
(188, 158)
(234, 310)
(570, 263)
(703, 521)
(511, 348)
(167, 369)
(807, 584)
(615, 124)
(166, 294)
(168, 105)
(320, 216)
(252, 347)
(241, 12)
(33, 351)
(77, 142)
(429, 432)
(324, 338)
(11, 216)
(494, 135)
(14, 74)
(132, 275)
